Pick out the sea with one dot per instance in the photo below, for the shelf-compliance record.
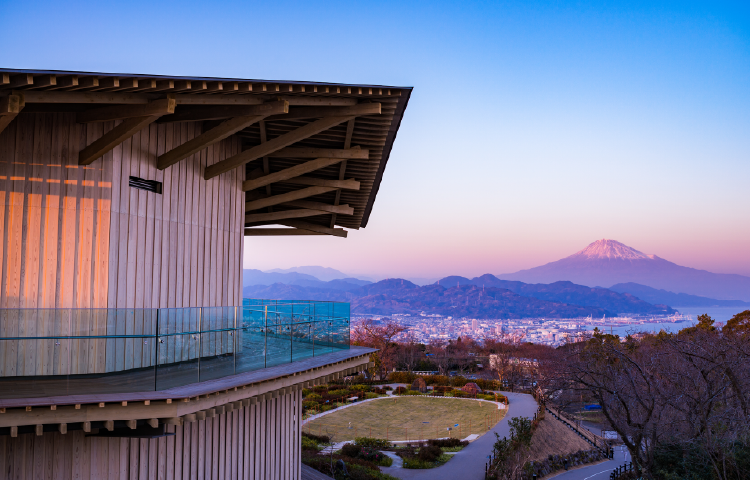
(719, 314)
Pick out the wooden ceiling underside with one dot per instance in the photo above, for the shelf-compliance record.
(314, 153)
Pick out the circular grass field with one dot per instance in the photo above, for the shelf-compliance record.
(407, 418)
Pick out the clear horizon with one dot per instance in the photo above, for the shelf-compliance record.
(534, 129)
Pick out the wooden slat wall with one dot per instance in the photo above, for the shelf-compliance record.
(223, 447)
(79, 237)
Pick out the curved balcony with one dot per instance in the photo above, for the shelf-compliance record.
(54, 352)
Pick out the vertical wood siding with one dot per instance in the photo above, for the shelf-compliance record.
(223, 447)
(79, 237)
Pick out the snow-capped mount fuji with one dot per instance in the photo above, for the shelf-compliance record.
(608, 262)
(611, 249)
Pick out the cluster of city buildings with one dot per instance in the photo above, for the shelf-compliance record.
(546, 331)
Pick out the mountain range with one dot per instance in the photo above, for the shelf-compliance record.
(638, 284)
(608, 262)
(482, 297)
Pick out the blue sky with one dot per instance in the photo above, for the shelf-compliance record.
(534, 128)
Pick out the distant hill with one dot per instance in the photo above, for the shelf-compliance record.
(568, 292)
(251, 277)
(465, 299)
(325, 274)
(608, 262)
(653, 295)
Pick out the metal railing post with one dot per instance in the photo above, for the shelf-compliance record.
(265, 336)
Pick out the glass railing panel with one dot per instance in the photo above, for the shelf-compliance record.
(302, 340)
(217, 342)
(178, 347)
(250, 353)
(62, 351)
(16, 382)
(137, 379)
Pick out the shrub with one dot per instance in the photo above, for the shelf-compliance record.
(447, 443)
(320, 389)
(350, 450)
(360, 388)
(309, 443)
(314, 397)
(325, 408)
(443, 389)
(387, 388)
(372, 442)
(412, 392)
(379, 391)
(305, 392)
(317, 438)
(458, 381)
(371, 395)
(402, 377)
(310, 405)
(429, 453)
(436, 380)
(400, 390)
(338, 393)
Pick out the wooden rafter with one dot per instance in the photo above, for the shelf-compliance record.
(322, 112)
(10, 106)
(275, 232)
(323, 207)
(304, 152)
(114, 137)
(288, 173)
(349, 184)
(337, 232)
(286, 197)
(218, 112)
(342, 167)
(161, 107)
(220, 132)
(286, 214)
(272, 145)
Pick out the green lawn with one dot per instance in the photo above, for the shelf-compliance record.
(402, 418)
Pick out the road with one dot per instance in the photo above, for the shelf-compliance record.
(468, 464)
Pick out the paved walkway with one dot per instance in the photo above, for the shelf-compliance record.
(600, 471)
(468, 464)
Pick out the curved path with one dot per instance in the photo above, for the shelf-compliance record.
(468, 464)
(600, 471)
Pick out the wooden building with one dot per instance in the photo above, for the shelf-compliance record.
(122, 193)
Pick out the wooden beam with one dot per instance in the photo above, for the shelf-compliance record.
(318, 101)
(350, 184)
(10, 106)
(286, 197)
(157, 107)
(288, 173)
(20, 80)
(322, 112)
(218, 133)
(45, 81)
(342, 167)
(277, 232)
(268, 217)
(323, 207)
(220, 99)
(303, 152)
(210, 112)
(272, 145)
(337, 232)
(86, 97)
(113, 138)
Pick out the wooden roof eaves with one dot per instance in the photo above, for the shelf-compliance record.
(199, 79)
(392, 131)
